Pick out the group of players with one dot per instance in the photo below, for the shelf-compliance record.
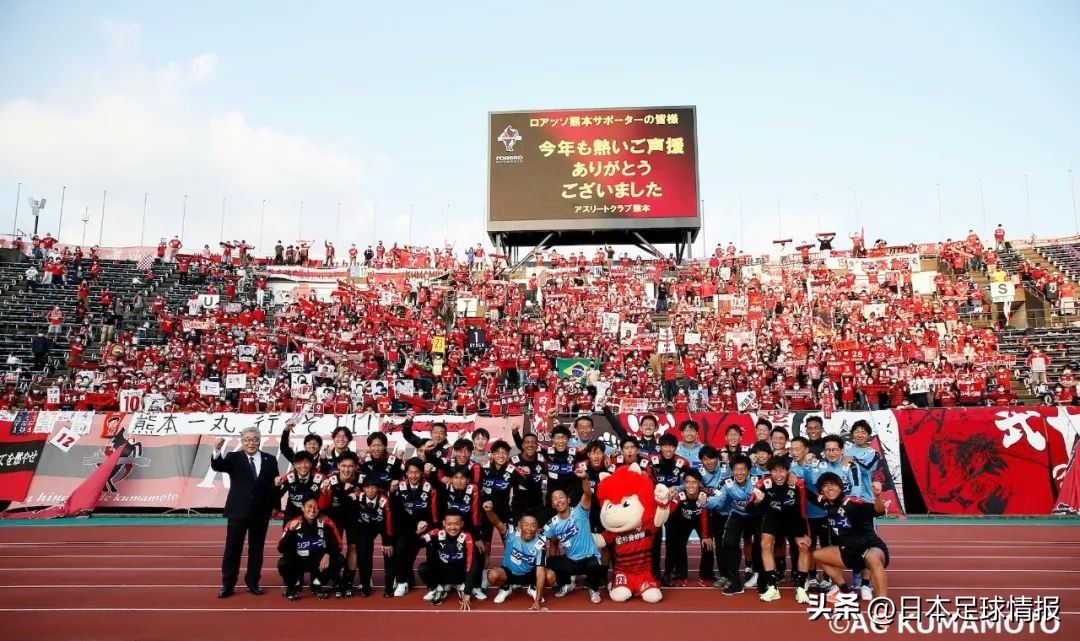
(812, 496)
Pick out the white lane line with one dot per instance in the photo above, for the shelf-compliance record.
(273, 586)
(442, 611)
(692, 557)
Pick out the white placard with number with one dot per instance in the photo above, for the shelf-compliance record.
(131, 400)
(209, 388)
(65, 439)
(235, 381)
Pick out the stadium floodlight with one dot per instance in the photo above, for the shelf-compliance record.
(35, 209)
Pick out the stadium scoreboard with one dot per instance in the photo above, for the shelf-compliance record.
(593, 169)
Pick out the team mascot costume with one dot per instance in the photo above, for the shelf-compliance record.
(632, 511)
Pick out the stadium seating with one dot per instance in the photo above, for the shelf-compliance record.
(715, 329)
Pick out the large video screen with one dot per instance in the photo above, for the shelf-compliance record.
(593, 169)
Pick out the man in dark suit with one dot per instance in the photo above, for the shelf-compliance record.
(252, 497)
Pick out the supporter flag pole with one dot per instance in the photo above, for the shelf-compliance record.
(142, 230)
(701, 211)
(15, 225)
(101, 229)
(940, 218)
(221, 232)
(1027, 200)
(742, 227)
(338, 239)
(1072, 192)
(855, 204)
(410, 224)
(59, 225)
(262, 218)
(183, 218)
(300, 222)
(982, 201)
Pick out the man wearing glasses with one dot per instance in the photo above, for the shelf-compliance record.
(251, 501)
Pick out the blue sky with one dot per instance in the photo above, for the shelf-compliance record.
(838, 114)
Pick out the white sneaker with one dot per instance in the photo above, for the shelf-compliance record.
(502, 595)
(752, 581)
(866, 593)
(564, 590)
(430, 596)
(531, 591)
(594, 596)
(402, 589)
(772, 594)
(801, 596)
(479, 594)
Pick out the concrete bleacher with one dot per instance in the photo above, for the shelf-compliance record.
(1064, 257)
(1061, 344)
(23, 314)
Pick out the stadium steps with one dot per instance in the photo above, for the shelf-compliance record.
(1035, 257)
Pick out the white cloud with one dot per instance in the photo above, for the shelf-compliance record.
(138, 133)
(122, 36)
(204, 67)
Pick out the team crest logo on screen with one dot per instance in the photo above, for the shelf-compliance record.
(509, 137)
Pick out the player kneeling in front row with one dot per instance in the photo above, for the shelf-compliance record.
(858, 545)
(310, 544)
(783, 499)
(451, 562)
(523, 560)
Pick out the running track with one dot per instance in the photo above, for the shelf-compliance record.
(159, 581)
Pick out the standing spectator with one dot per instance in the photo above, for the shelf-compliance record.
(174, 247)
(40, 346)
(56, 319)
(661, 296)
(329, 260)
(999, 238)
(108, 325)
(1037, 363)
(248, 507)
(30, 279)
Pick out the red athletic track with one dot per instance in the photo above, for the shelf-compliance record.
(160, 582)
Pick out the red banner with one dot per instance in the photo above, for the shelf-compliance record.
(162, 467)
(988, 460)
(20, 451)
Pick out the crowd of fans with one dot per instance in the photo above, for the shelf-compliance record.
(459, 335)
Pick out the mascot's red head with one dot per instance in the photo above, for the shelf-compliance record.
(626, 500)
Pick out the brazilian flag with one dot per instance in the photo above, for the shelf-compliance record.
(574, 367)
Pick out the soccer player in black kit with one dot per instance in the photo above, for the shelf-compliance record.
(310, 544)
(528, 494)
(338, 502)
(416, 510)
(782, 497)
(463, 497)
(298, 485)
(312, 445)
(667, 469)
(560, 458)
(451, 562)
(858, 547)
(687, 516)
(374, 519)
(379, 464)
(497, 479)
(595, 464)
